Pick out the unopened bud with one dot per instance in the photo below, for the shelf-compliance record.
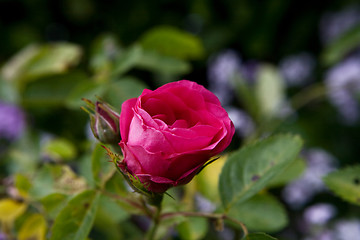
(104, 122)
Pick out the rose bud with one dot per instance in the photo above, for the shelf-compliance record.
(170, 133)
(104, 122)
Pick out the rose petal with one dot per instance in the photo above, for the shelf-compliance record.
(148, 137)
(151, 163)
(132, 163)
(126, 115)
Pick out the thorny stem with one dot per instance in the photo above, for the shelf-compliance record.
(212, 216)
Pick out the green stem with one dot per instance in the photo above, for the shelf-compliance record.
(212, 216)
(307, 95)
(155, 225)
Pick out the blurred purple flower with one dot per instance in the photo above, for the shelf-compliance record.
(220, 71)
(341, 230)
(203, 204)
(347, 229)
(343, 84)
(243, 123)
(12, 121)
(249, 70)
(300, 191)
(297, 69)
(319, 214)
(3, 236)
(332, 25)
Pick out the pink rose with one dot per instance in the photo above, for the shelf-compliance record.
(168, 134)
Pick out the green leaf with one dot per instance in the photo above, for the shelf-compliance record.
(44, 180)
(111, 210)
(33, 228)
(54, 203)
(259, 236)
(84, 89)
(246, 94)
(338, 49)
(122, 90)
(52, 90)
(193, 228)
(250, 169)
(117, 186)
(293, 171)
(262, 212)
(40, 60)
(108, 217)
(76, 219)
(103, 51)
(102, 167)
(173, 42)
(56, 178)
(158, 63)
(59, 149)
(127, 59)
(24, 157)
(22, 184)
(269, 90)
(345, 183)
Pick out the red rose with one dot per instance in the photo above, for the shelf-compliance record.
(170, 133)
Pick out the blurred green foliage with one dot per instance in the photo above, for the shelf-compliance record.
(54, 53)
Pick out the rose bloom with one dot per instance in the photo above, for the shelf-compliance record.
(168, 134)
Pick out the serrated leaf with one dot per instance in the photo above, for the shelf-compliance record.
(34, 227)
(173, 42)
(259, 213)
(345, 183)
(76, 219)
(250, 169)
(102, 167)
(11, 209)
(259, 236)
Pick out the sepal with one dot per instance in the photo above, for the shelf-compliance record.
(133, 181)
